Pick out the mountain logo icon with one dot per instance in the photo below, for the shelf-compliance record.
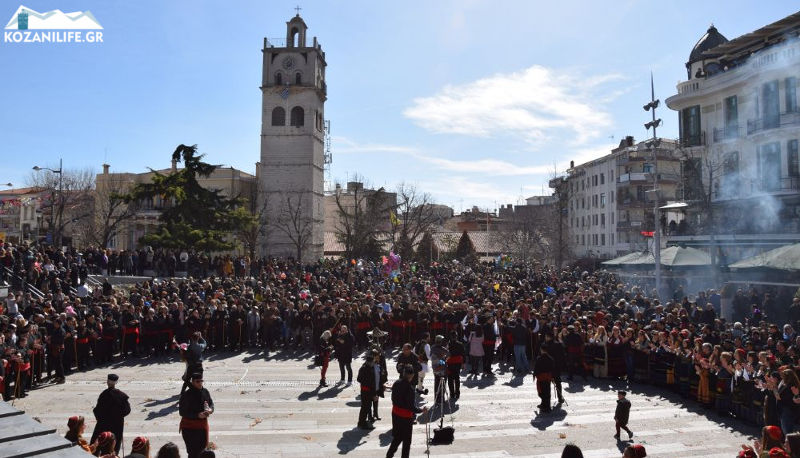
(28, 19)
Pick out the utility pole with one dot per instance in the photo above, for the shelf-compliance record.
(653, 146)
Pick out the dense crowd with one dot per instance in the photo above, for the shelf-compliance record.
(746, 367)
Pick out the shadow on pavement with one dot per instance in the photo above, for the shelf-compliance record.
(543, 420)
(350, 440)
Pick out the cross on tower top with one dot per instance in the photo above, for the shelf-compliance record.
(297, 9)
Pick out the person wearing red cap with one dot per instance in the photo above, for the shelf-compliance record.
(634, 451)
(77, 425)
(771, 439)
(777, 452)
(140, 448)
(106, 443)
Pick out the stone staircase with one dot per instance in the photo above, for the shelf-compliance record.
(20, 436)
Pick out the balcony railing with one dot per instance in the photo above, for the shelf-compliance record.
(782, 184)
(635, 202)
(626, 224)
(634, 176)
(726, 133)
(791, 118)
(693, 140)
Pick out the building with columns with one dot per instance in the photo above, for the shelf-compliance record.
(291, 170)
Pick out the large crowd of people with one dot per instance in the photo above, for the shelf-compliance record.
(486, 318)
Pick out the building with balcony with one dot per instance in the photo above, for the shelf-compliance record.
(610, 199)
(739, 130)
(639, 168)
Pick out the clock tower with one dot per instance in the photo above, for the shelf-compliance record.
(291, 171)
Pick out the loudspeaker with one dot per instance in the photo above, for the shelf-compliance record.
(443, 436)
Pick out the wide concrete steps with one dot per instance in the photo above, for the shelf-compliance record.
(21, 436)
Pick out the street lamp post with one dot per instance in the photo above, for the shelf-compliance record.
(56, 240)
(653, 145)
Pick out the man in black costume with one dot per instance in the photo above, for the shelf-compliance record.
(403, 410)
(110, 412)
(543, 371)
(194, 406)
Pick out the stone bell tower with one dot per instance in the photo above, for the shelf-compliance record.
(291, 171)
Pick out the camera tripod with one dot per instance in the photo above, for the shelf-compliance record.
(441, 435)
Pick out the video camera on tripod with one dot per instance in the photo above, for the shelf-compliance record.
(377, 337)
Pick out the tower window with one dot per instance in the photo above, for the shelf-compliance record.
(278, 116)
(278, 79)
(298, 116)
(297, 78)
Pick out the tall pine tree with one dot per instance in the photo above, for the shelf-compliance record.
(193, 216)
(465, 247)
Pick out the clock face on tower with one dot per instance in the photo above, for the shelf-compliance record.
(288, 62)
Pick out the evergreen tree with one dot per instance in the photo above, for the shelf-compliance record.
(465, 247)
(426, 250)
(193, 216)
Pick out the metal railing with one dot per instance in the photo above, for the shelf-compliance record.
(634, 176)
(22, 283)
(693, 140)
(790, 118)
(781, 184)
(726, 133)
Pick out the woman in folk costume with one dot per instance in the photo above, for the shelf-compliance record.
(600, 340)
(702, 367)
(77, 425)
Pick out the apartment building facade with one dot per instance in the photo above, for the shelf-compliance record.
(591, 214)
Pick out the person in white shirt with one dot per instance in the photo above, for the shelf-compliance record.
(12, 309)
(423, 350)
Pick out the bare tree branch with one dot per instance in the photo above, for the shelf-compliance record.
(294, 224)
(70, 197)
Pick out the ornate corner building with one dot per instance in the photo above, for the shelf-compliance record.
(739, 130)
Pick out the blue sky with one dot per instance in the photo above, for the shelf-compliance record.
(475, 102)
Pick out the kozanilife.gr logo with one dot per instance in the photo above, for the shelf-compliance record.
(56, 26)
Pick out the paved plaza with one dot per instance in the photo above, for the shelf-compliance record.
(273, 407)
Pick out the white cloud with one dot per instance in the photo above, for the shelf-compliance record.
(537, 103)
(485, 167)
(459, 188)
(346, 145)
(492, 167)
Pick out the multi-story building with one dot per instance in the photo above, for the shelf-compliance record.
(229, 181)
(20, 214)
(610, 203)
(739, 130)
(637, 167)
(591, 212)
(355, 194)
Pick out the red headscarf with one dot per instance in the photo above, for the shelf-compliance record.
(105, 438)
(140, 444)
